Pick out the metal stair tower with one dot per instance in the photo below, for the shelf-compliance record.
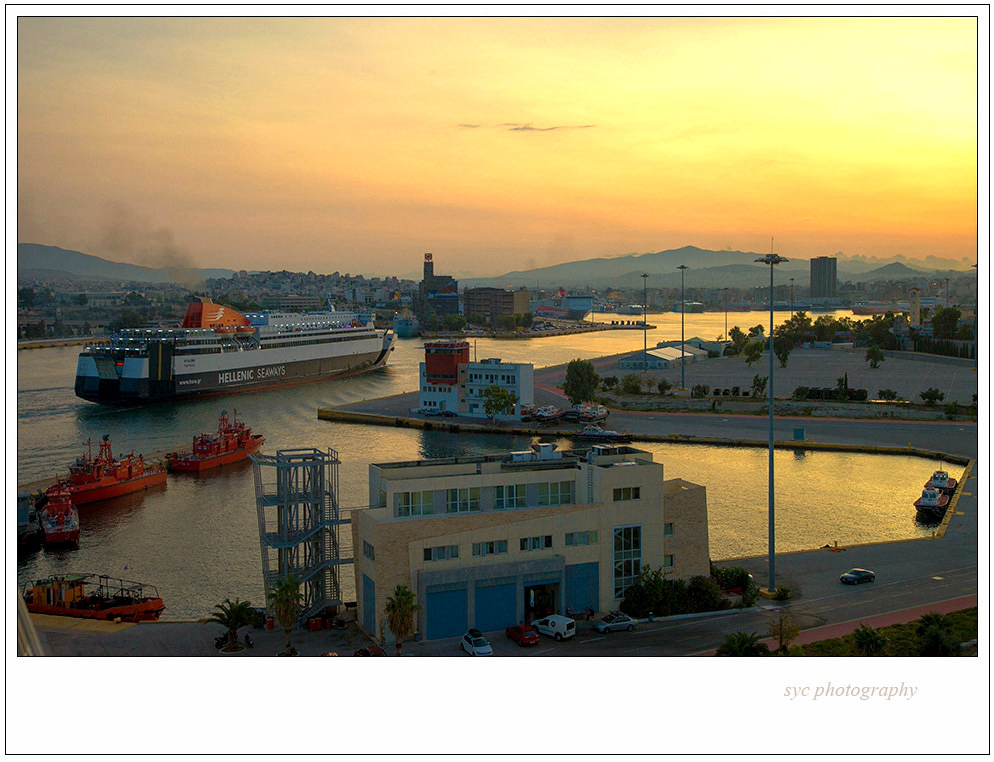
(296, 496)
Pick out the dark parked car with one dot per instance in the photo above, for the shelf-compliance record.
(522, 634)
(855, 576)
(449, 413)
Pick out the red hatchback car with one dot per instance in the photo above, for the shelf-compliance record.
(524, 634)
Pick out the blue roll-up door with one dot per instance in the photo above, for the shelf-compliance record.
(369, 605)
(445, 614)
(583, 586)
(495, 607)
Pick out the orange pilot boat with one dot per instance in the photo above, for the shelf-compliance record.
(233, 441)
(99, 478)
(59, 517)
(93, 596)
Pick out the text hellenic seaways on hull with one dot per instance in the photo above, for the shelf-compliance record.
(219, 350)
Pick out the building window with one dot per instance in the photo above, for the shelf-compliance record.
(581, 538)
(415, 503)
(367, 551)
(627, 558)
(627, 493)
(536, 543)
(510, 496)
(489, 548)
(668, 562)
(555, 493)
(668, 529)
(441, 553)
(462, 500)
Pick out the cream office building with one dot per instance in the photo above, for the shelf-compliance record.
(495, 540)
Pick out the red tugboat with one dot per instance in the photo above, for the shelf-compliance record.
(942, 481)
(59, 517)
(232, 442)
(93, 596)
(99, 478)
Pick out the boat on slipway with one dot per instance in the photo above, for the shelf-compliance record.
(59, 517)
(218, 350)
(93, 596)
(233, 441)
(104, 476)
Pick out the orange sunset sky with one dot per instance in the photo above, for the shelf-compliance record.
(358, 144)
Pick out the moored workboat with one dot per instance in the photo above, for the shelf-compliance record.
(59, 517)
(941, 481)
(233, 441)
(93, 596)
(101, 477)
(932, 503)
(593, 431)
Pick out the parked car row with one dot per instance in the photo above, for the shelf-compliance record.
(554, 626)
(432, 411)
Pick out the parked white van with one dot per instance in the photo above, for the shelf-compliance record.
(559, 627)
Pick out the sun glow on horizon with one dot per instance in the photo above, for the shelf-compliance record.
(311, 143)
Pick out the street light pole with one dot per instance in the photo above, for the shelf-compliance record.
(771, 259)
(791, 298)
(645, 323)
(726, 312)
(683, 312)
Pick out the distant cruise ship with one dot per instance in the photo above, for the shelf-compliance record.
(565, 307)
(218, 350)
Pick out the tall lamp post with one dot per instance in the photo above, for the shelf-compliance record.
(683, 312)
(645, 323)
(726, 312)
(791, 298)
(771, 259)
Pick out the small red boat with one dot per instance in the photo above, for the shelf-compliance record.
(93, 596)
(59, 518)
(99, 478)
(942, 481)
(233, 441)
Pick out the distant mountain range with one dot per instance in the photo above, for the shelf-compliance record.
(705, 269)
(50, 262)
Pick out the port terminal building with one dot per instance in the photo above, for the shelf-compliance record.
(448, 381)
(490, 541)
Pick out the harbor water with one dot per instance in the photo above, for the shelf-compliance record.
(196, 537)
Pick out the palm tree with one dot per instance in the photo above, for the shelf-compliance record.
(400, 610)
(869, 641)
(742, 644)
(284, 598)
(232, 615)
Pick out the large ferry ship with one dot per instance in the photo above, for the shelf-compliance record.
(218, 350)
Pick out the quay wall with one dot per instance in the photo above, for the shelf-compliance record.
(373, 419)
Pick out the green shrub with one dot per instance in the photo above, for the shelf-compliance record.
(704, 594)
(664, 386)
(700, 390)
(781, 593)
(801, 393)
(887, 394)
